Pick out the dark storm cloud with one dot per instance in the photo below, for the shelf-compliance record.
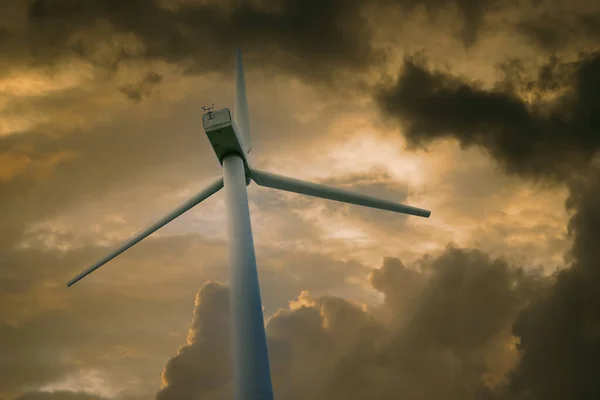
(459, 300)
(557, 139)
(441, 346)
(312, 39)
(324, 36)
(560, 335)
(541, 139)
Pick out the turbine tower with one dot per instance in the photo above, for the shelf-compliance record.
(231, 141)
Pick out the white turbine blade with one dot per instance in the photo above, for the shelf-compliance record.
(241, 115)
(312, 189)
(211, 189)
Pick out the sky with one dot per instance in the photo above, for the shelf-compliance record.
(486, 112)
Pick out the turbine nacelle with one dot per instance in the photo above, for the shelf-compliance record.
(224, 135)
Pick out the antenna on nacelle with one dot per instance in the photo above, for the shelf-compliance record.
(208, 109)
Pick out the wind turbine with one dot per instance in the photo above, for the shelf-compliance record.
(231, 141)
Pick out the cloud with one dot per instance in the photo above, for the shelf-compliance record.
(59, 395)
(125, 320)
(50, 334)
(559, 335)
(559, 27)
(328, 37)
(140, 90)
(200, 36)
(548, 137)
(70, 168)
(552, 137)
(472, 13)
(74, 148)
(65, 122)
(203, 365)
(443, 330)
(70, 395)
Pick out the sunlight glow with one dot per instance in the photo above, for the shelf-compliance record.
(367, 150)
(88, 381)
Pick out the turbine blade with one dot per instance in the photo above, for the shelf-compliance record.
(312, 189)
(241, 115)
(211, 189)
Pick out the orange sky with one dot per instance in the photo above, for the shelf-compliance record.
(92, 150)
